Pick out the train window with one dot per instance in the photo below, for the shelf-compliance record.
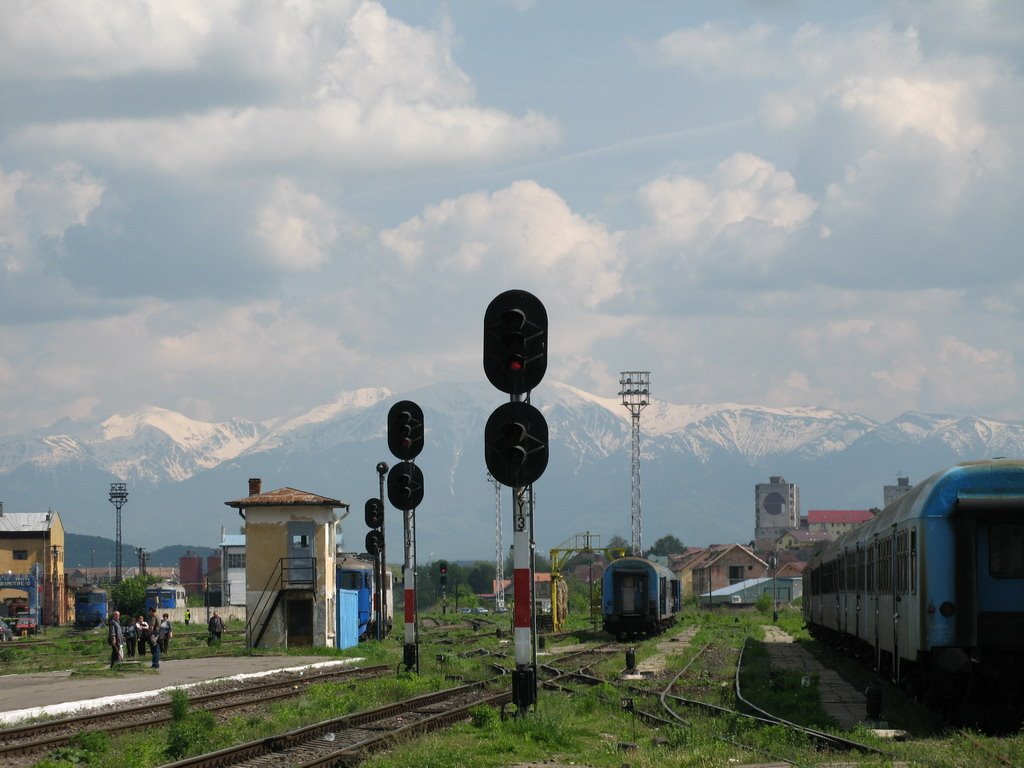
(860, 569)
(871, 569)
(350, 580)
(913, 562)
(1006, 551)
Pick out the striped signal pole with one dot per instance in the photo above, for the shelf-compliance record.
(524, 678)
(410, 654)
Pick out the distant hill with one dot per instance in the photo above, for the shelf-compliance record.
(89, 551)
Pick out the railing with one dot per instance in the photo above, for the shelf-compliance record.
(289, 573)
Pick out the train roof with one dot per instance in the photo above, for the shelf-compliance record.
(987, 482)
(638, 563)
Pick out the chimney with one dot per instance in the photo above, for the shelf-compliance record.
(903, 482)
(255, 485)
(1, 509)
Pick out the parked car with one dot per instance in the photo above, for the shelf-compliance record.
(26, 624)
(480, 609)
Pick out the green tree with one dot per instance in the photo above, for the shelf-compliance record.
(129, 597)
(667, 545)
(617, 542)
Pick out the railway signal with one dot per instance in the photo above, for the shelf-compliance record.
(405, 492)
(373, 512)
(516, 444)
(515, 341)
(405, 486)
(405, 430)
(516, 451)
(374, 542)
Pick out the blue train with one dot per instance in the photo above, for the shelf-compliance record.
(91, 606)
(165, 594)
(639, 597)
(356, 574)
(932, 589)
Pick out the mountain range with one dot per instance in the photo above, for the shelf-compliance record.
(699, 465)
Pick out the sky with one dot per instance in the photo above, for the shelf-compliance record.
(242, 208)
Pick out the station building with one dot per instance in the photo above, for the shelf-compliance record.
(29, 539)
(290, 566)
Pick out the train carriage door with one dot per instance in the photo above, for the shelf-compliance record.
(630, 589)
(990, 600)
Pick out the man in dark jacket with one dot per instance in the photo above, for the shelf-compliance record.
(216, 627)
(114, 638)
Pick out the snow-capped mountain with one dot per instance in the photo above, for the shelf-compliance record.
(698, 467)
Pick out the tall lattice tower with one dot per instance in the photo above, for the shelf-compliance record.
(499, 555)
(635, 390)
(118, 496)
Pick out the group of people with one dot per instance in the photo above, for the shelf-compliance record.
(144, 631)
(156, 633)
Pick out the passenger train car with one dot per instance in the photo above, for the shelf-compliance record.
(165, 594)
(639, 597)
(933, 587)
(90, 606)
(357, 574)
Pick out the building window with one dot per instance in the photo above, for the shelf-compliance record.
(735, 573)
(236, 561)
(21, 554)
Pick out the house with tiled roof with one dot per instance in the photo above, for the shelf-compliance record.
(836, 522)
(290, 565)
(700, 570)
(28, 539)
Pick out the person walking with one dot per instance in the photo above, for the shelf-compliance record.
(216, 627)
(142, 633)
(188, 616)
(165, 633)
(114, 638)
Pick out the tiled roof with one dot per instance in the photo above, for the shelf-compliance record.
(286, 497)
(838, 515)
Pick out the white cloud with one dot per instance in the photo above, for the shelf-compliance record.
(34, 206)
(297, 228)
(95, 40)
(741, 216)
(524, 231)
(388, 96)
(718, 48)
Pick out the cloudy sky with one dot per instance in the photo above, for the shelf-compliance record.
(242, 208)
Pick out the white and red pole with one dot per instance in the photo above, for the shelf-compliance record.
(524, 691)
(410, 654)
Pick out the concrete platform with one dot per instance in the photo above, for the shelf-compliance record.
(844, 703)
(61, 694)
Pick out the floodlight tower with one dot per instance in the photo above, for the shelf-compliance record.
(499, 554)
(118, 496)
(634, 388)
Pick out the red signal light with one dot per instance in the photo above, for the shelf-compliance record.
(516, 364)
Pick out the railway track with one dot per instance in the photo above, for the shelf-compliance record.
(346, 740)
(38, 737)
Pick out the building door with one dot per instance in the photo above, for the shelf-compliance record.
(300, 623)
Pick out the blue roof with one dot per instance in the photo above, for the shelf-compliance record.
(232, 540)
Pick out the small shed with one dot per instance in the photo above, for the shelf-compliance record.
(749, 591)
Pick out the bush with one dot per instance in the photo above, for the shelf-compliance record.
(191, 730)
